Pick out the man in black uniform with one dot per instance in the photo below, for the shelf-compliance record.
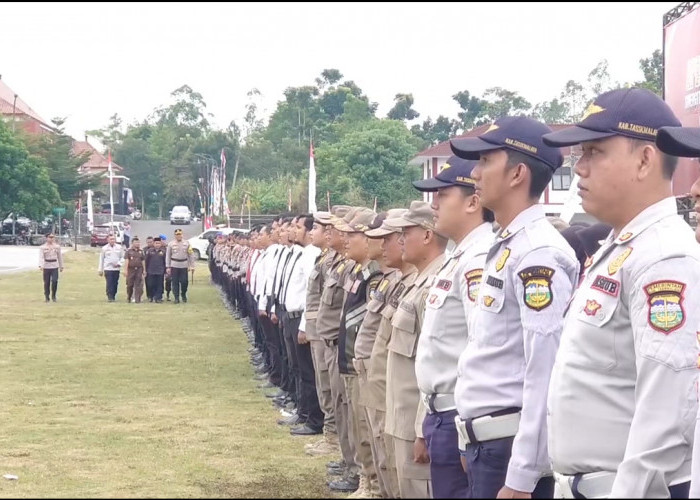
(149, 245)
(155, 270)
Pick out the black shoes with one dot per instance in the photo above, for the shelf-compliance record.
(305, 430)
(348, 483)
(176, 301)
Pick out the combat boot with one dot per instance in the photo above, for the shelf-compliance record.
(363, 489)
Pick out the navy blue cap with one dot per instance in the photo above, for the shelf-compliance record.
(679, 141)
(635, 113)
(517, 133)
(456, 172)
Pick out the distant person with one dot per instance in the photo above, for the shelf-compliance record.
(127, 234)
(168, 277)
(155, 270)
(149, 245)
(110, 263)
(134, 271)
(179, 260)
(50, 262)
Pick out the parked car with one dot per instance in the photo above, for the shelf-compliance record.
(200, 243)
(99, 234)
(180, 214)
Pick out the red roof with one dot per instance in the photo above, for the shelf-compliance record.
(443, 149)
(97, 161)
(8, 104)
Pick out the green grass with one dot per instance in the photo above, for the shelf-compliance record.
(136, 400)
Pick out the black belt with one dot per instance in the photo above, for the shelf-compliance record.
(178, 260)
(331, 342)
(49, 260)
(294, 314)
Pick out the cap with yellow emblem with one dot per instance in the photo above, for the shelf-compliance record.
(456, 172)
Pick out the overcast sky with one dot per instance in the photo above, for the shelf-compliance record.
(88, 61)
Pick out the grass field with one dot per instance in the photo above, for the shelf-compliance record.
(136, 400)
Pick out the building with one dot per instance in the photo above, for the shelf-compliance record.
(19, 114)
(558, 199)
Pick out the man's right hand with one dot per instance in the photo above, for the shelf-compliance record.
(262, 314)
(301, 338)
(100, 273)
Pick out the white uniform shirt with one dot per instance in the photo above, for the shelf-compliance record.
(111, 258)
(529, 276)
(297, 277)
(622, 396)
(268, 274)
(257, 274)
(451, 299)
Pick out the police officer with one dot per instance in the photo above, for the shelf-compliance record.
(529, 275)
(423, 247)
(451, 299)
(50, 263)
(685, 142)
(179, 260)
(627, 359)
(134, 271)
(155, 270)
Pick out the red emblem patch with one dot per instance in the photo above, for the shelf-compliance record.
(591, 308)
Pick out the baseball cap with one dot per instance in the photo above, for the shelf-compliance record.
(360, 223)
(338, 222)
(633, 112)
(418, 214)
(516, 133)
(456, 172)
(322, 217)
(178, 231)
(679, 141)
(385, 229)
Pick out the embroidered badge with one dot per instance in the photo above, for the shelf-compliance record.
(357, 268)
(588, 262)
(666, 312)
(383, 286)
(504, 234)
(488, 300)
(394, 298)
(537, 283)
(606, 285)
(444, 285)
(494, 282)
(616, 264)
(501, 262)
(591, 308)
(625, 237)
(473, 278)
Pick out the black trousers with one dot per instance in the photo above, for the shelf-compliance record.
(289, 338)
(112, 279)
(147, 284)
(154, 283)
(168, 283)
(272, 340)
(180, 281)
(50, 282)
(307, 407)
(288, 384)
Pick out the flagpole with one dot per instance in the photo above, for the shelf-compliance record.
(328, 199)
(312, 179)
(111, 195)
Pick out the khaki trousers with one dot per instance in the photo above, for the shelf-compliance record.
(323, 385)
(357, 419)
(414, 479)
(340, 408)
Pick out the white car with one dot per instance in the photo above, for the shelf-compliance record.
(180, 214)
(200, 243)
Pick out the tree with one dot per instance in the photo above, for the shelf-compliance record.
(328, 77)
(575, 98)
(111, 135)
(435, 132)
(552, 112)
(143, 169)
(501, 102)
(25, 186)
(653, 69)
(472, 109)
(402, 109)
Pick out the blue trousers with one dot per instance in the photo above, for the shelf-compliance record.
(487, 466)
(446, 474)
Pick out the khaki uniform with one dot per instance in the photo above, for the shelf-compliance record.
(402, 394)
(135, 260)
(327, 327)
(318, 347)
(50, 256)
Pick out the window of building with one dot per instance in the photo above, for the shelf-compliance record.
(561, 180)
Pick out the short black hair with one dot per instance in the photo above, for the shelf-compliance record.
(157, 238)
(486, 214)
(668, 162)
(149, 237)
(540, 172)
(308, 221)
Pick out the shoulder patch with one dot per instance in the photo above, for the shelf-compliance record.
(537, 286)
(665, 299)
(473, 278)
(592, 307)
(501, 262)
(625, 237)
(616, 264)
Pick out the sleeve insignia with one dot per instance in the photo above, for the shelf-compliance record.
(616, 264)
(666, 312)
(591, 308)
(501, 262)
(473, 278)
(537, 283)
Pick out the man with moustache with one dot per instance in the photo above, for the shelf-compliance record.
(622, 398)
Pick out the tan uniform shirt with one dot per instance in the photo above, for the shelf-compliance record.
(402, 394)
(313, 293)
(332, 299)
(179, 255)
(50, 256)
(367, 334)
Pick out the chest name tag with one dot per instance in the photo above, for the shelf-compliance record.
(494, 282)
(606, 285)
(444, 285)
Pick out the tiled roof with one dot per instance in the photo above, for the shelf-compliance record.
(443, 150)
(7, 104)
(97, 160)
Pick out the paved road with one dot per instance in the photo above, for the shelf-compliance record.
(145, 228)
(20, 258)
